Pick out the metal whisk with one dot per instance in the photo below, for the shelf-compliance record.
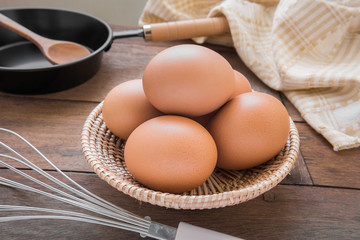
(112, 215)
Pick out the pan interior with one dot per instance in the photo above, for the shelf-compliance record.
(22, 55)
(18, 53)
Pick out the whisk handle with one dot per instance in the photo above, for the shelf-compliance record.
(187, 231)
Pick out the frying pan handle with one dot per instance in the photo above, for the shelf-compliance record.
(169, 31)
(186, 29)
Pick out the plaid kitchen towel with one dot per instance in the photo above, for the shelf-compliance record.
(308, 49)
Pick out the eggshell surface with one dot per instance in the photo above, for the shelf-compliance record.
(249, 130)
(189, 80)
(170, 153)
(242, 84)
(125, 107)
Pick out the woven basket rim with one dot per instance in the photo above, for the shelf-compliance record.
(94, 130)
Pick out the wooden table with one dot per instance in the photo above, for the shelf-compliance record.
(320, 199)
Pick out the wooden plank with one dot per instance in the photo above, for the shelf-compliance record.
(54, 127)
(293, 112)
(327, 167)
(300, 174)
(285, 212)
(318, 200)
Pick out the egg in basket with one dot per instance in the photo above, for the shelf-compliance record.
(191, 134)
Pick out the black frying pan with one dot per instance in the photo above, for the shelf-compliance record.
(23, 68)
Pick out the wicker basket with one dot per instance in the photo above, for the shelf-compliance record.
(104, 152)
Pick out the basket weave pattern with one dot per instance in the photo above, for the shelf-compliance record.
(104, 153)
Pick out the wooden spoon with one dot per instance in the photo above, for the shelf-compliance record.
(55, 51)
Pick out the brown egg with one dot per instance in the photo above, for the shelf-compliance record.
(170, 153)
(188, 80)
(249, 130)
(242, 84)
(126, 107)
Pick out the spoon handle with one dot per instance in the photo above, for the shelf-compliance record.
(22, 31)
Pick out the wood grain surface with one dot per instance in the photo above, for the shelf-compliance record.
(319, 199)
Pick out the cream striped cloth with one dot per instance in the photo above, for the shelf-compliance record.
(308, 49)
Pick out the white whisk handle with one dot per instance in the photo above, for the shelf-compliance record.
(187, 231)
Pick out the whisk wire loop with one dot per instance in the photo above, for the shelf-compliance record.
(115, 216)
